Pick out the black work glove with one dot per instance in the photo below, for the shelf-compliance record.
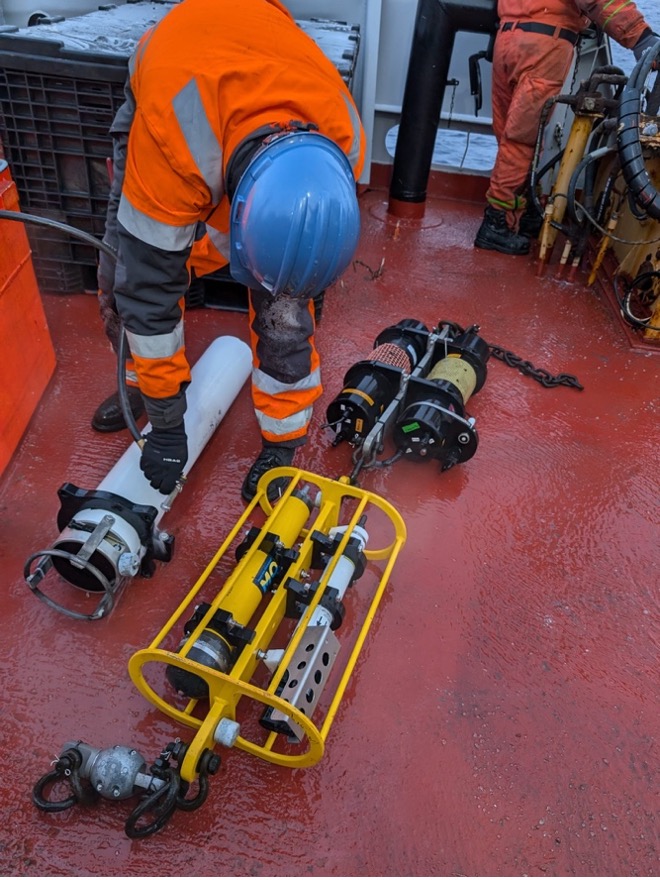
(164, 456)
(647, 40)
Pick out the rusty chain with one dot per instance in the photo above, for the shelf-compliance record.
(528, 369)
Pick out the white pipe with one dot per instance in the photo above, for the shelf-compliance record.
(100, 548)
(342, 576)
(217, 377)
(107, 538)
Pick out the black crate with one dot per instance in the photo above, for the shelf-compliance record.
(61, 84)
(55, 134)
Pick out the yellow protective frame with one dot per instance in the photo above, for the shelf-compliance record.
(226, 690)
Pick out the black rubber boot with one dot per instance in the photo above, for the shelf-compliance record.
(270, 457)
(109, 417)
(495, 235)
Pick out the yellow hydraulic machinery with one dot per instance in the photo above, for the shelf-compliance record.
(556, 206)
(250, 658)
(589, 106)
(607, 189)
(637, 281)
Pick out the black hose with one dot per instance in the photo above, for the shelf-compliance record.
(607, 70)
(63, 227)
(538, 146)
(549, 165)
(653, 98)
(633, 165)
(603, 128)
(609, 76)
(122, 390)
(606, 194)
(624, 301)
(586, 207)
(634, 208)
(585, 165)
(123, 347)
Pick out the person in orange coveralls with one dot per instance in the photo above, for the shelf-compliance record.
(238, 144)
(532, 56)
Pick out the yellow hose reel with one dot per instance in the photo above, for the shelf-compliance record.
(261, 637)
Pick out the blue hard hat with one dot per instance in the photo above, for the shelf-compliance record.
(295, 220)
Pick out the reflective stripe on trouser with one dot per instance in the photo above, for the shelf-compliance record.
(161, 361)
(112, 327)
(527, 70)
(204, 258)
(286, 379)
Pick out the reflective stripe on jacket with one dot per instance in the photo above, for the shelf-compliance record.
(204, 79)
(620, 19)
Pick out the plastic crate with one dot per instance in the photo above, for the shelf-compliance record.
(339, 40)
(61, 84)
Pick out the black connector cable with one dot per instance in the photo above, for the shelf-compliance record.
(63, 227)
(122, 353)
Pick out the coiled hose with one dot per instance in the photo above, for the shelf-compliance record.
(633, 166)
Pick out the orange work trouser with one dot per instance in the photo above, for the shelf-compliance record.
(528, 69)
(286, 375)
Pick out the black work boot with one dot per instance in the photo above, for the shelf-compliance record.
(531, 222)
(270, 457)
(109, 417)
(495, 235)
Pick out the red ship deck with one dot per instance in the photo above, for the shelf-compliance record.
(503, 715)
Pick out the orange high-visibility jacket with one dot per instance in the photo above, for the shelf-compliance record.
(620, 19)
(207, 78)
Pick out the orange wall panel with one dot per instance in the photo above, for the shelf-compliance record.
(28, 356)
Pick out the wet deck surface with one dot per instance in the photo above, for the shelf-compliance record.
(502, 719)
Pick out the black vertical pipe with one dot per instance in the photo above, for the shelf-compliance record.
(436, 25)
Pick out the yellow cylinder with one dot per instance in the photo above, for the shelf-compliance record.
(457, 371)
(556, 208)
(245, 594)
